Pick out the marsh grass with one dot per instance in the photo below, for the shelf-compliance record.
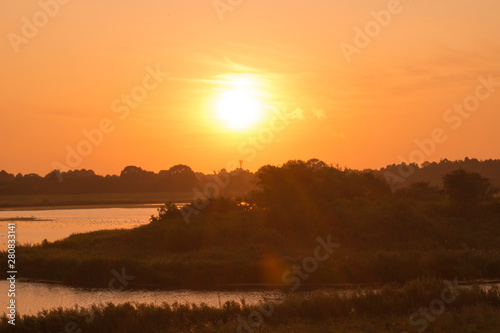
(386, 310)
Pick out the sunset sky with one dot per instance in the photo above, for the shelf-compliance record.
(363, 109)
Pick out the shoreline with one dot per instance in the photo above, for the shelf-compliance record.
(90, 200)
(256, 286)
(82, 206)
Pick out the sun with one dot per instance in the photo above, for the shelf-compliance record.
(238, 109)
(238, 106)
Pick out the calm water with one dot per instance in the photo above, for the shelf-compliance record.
(34, 297)
(60, 223)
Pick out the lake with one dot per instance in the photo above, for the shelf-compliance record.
(56, 224)
(34, 297)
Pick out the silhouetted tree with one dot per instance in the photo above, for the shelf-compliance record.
(167, 212)
(178, 178)
(136, 179)
(421, 191)
(467, 189)
(299, 191)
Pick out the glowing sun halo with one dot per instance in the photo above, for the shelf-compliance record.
(238, 108)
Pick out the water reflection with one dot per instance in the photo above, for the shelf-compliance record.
(34, 297)
(33, 226)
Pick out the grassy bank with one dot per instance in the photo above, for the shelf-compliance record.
(18, 201)
(378, 243)
(388, 310)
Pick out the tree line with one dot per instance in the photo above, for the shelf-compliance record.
(132, 179)
(181, 178)
(299, 191)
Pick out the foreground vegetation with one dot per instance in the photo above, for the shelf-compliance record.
(383, 237)
(390, 309)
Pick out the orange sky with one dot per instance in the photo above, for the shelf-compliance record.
(66, 75)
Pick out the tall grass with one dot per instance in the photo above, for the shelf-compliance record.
(385, 310)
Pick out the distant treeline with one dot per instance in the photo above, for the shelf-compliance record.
(403, 175)
(181, 178)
